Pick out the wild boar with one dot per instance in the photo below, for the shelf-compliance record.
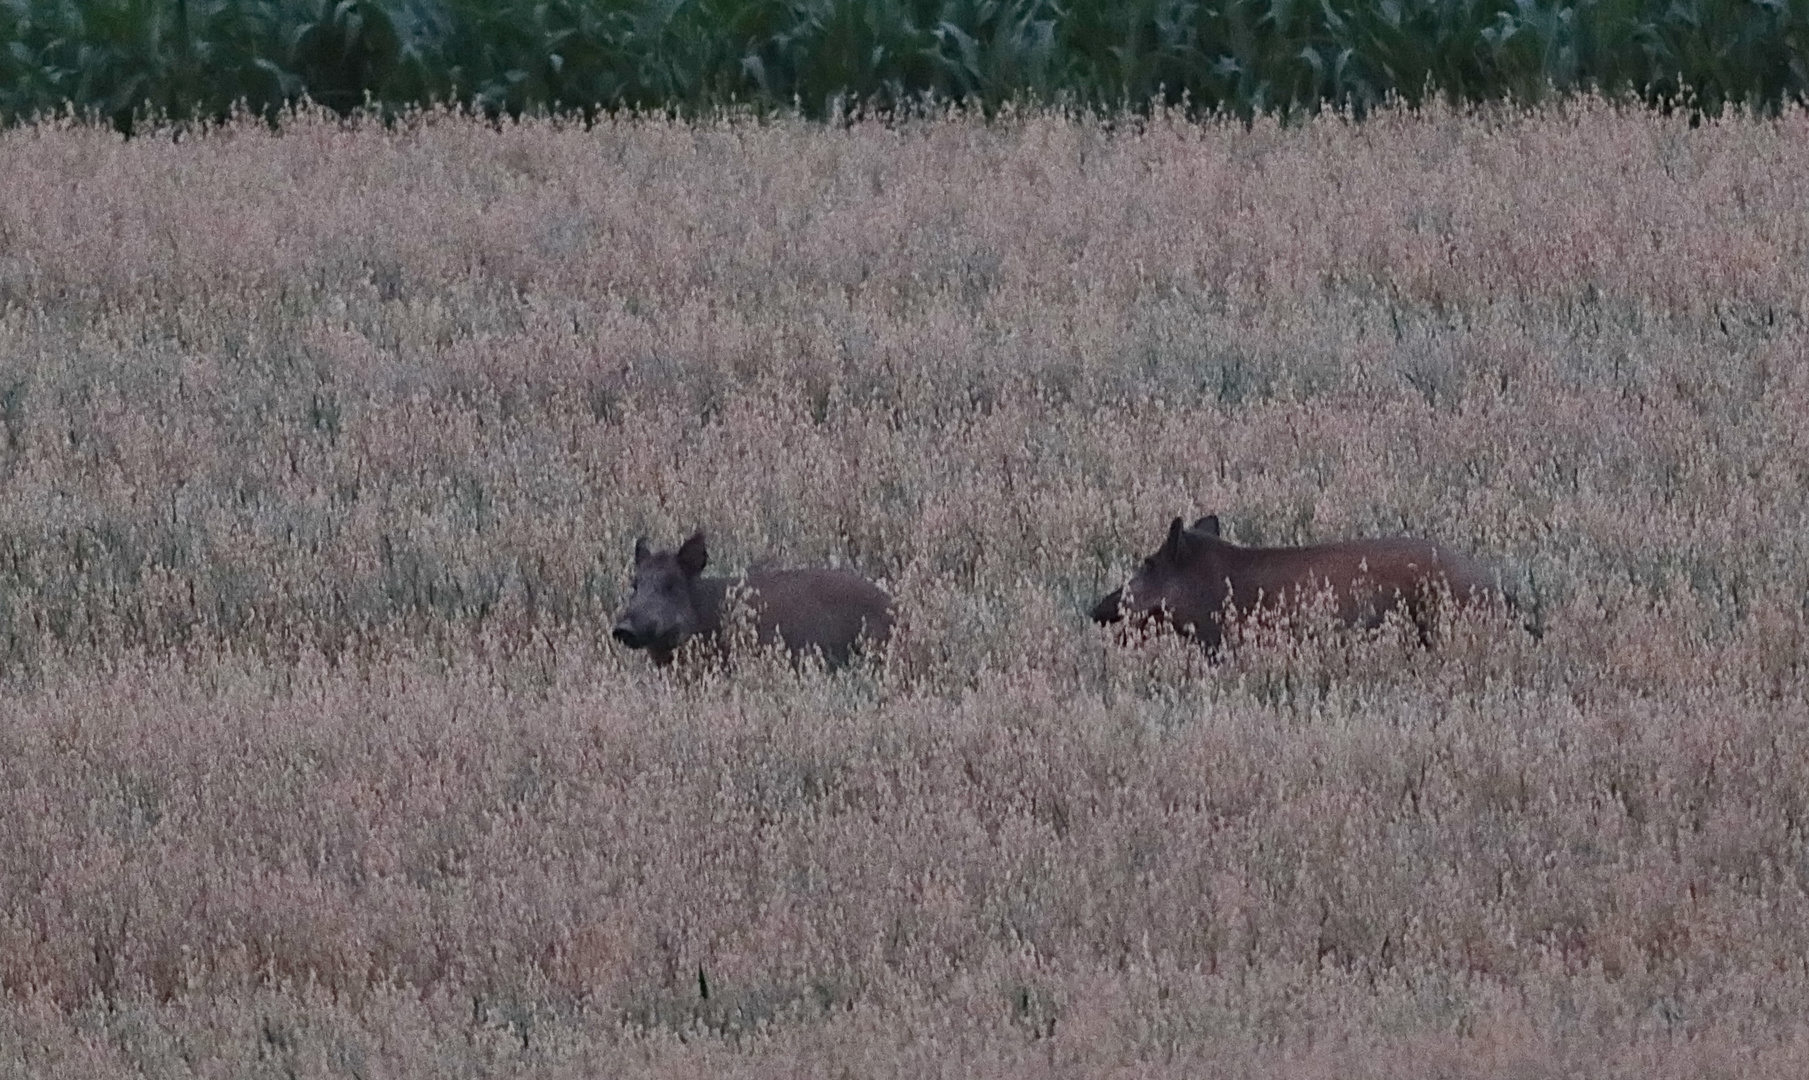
(829, 612)
(1197, 580)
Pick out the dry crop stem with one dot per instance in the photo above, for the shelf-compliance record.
(322, 453)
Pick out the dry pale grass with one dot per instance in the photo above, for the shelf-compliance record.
(321, 456)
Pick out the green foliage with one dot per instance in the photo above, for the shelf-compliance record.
(181, 58)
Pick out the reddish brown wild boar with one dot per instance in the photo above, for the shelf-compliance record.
(1197, 579)
(826, 611)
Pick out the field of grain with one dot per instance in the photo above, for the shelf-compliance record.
(322, 454)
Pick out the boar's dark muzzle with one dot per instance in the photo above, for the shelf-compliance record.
(637, 635)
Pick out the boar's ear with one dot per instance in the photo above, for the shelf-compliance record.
(1206, 526)
(640, 550)
(1181, 545)
(1173, 548)
(693, 556)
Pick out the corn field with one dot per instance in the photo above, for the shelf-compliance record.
(132, 61)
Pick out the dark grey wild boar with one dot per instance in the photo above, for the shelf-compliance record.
(826, 611)
(1197, 579)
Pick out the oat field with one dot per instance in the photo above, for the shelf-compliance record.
(322, 454)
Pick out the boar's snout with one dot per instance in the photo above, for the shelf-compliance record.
(629, 631)
(646, 630)
(1109, 609)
